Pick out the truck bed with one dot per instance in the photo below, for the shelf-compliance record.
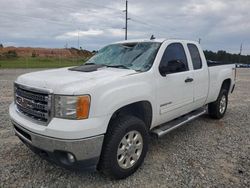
(217, 74)
(217, 63)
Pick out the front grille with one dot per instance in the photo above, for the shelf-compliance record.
(34, 104)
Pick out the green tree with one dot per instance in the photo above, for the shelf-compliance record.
(33, 54)
(10, 54)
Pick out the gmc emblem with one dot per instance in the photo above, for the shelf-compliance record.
(22, 102)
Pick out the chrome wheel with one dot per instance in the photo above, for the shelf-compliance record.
(223, 103)
(130, 149)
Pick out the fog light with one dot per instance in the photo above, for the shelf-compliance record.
(71, 158)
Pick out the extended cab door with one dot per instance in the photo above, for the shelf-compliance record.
(200, 75)
(174, 83)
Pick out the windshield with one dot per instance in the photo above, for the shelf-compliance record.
(136, 56)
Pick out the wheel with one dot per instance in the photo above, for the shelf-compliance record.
(125, 147)
(218, 108)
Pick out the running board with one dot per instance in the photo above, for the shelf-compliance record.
(169, 126)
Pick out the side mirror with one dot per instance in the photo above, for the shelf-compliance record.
(172, 66)
(163, 69)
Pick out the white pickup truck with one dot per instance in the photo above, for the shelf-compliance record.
(99, 115)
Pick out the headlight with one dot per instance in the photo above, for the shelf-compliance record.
(72, 107)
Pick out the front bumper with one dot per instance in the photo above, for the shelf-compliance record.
(63, 128)
(85, 152)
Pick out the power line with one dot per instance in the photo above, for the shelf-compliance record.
(63, 23)
(107, 7)
(52, 21)
(137, 21)
(86, 2)
(140, 22)
(152, 27)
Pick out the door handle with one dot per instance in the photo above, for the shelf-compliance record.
(189, 80)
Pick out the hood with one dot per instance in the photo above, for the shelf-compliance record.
(66, 81)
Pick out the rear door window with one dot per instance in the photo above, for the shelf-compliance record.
(195, 56)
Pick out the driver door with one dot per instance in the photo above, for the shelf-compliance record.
(175, 86)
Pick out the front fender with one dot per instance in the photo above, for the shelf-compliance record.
(127, 90)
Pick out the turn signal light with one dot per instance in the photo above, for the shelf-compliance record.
(82, 107)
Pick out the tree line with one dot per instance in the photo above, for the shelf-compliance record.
(226, 57)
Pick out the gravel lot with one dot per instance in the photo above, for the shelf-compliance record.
(203, 153)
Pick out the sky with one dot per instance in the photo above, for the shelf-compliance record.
(220, 24)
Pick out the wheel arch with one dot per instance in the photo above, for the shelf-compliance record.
(226, 84)
(141, 109)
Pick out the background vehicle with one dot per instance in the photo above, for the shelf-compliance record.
(99, 115)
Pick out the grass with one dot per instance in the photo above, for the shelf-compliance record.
(40, 62)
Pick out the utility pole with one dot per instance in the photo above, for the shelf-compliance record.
(199, 40)
(126, 20)
(240, 53)
(78, 39)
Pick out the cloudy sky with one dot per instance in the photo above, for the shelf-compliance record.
(221, 24)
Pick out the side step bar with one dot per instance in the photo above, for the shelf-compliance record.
(169, 126)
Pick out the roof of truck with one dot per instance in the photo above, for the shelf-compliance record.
(141, 40)
(156, 40)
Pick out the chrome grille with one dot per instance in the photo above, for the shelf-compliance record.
(33, 103)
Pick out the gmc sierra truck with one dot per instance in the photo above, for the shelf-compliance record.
(99, 115)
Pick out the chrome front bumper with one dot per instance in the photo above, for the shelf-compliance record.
(86, 151)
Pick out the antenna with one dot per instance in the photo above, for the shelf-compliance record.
(152, 37)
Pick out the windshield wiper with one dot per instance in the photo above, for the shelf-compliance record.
(112, 66)
(89, 64)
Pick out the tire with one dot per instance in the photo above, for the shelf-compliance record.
(119, 133)
(217, 109)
